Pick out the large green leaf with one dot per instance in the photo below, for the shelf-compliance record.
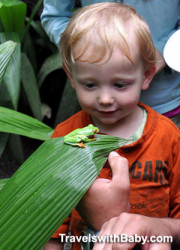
(3, 182)
(45, 189)
(6, 51)
(12, 74)
(30, 86)
(12, 15)
(17, 123)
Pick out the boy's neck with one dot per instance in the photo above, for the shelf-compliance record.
(125, 127)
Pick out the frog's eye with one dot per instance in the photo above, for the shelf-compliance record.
(95, 130)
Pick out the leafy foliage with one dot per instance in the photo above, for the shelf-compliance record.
(17, 123)
(46, 188)
(20, 81)
(6, 51)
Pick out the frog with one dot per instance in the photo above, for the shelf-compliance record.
(80, 135)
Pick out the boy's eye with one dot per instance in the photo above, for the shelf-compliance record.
(119, 85)
(90, 85)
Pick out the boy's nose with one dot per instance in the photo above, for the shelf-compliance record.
(105, 98)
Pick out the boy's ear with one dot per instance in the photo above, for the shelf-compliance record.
(69, 76)
(148, 76)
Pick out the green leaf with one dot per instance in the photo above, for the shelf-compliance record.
(4, 138)
(6, 36)
(46, 188)
(69, 104)
(15, 147)
(52, 63)
(12, 75)
(17, 123)
(6, 51)
(35, 9)
(3, 182)
(5, 99)
(43, 40)
(30, 86)
(12, 16)
(29, 49)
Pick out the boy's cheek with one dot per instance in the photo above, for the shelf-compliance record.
(85, 98)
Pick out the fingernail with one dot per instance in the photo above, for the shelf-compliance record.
(114, 153)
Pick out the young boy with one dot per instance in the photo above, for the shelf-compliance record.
(109, 57)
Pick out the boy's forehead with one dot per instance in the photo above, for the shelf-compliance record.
(98, 53)
(118, 62)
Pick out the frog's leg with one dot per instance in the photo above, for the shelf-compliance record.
(73, 139)
(88, 139)
(76, 144)
(77, 140)
(81, 145)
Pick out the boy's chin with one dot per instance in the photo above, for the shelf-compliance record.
(109, 122)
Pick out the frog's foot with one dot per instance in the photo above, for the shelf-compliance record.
(92, 138)
(74, 144)
(81, 145)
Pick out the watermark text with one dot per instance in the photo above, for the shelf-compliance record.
(113, 238)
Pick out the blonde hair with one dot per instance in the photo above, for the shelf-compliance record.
(94, 30)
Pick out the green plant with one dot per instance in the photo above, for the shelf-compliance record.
(44, 190)
(6, 51)
(15, 122)
(20, 80)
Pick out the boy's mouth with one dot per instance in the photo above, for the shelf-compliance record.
(107, 113)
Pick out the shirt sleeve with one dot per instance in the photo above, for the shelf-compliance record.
(174, 16)
(162, 18)
(55, 17)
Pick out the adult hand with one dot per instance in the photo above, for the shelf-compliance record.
(132, 224)
(107, 198)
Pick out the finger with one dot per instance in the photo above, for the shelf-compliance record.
(159, 246)
(113, 227)
(99, 246)
(152, 246)
(120, 171)
(107, 227)
(116, 225)
(129, 225)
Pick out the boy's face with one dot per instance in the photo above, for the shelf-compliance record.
(110, 92)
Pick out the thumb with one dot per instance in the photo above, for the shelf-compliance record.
(120, 170)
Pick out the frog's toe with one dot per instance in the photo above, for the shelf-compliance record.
(81, 145)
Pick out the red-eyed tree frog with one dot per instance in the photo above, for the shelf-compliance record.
(80, 135)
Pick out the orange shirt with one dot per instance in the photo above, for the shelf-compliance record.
(154, 168)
